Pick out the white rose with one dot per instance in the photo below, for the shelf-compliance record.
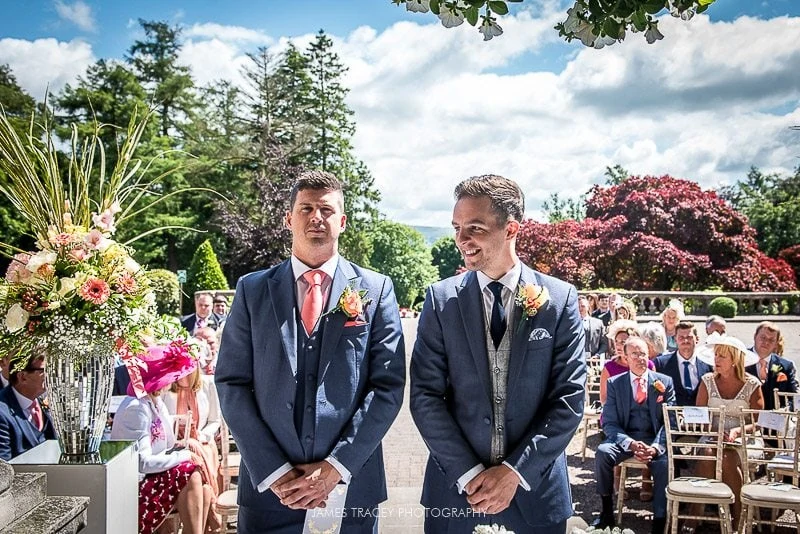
(67, 285)
(16, 318)
(150, 298)
(53, 305)
(43, 257)
(131, 266)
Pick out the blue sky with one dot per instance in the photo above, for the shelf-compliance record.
(436, 105)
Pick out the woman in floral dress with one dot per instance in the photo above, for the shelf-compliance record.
(168, 477)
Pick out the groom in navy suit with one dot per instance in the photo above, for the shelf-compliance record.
(497, 377)
(309, 395)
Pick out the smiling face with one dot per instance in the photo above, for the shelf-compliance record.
(486, 243)
(316, 221)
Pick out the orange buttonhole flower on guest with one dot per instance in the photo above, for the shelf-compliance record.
(95, 290)
(352, 305)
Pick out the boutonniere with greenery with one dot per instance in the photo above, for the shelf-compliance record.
(659, 386)
(531, 298)
(351, 302)
(776, 368)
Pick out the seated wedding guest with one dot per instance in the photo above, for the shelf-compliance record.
(23, 422)
(774, 371)
(633, 423)
(220, 308)
(682, 365)
(729, 386)
(185, 395)
(203, 315)
(653, 334)
(624, 309)
(717, 324)
(618, 334)
(210, 349)
(5, 370)
(168, 477)
(592, 302)
(603, 311)
(596, 340)
(670, 317)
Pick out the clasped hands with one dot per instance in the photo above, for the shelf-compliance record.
(642, 451)
(491, 491)
(306, 486)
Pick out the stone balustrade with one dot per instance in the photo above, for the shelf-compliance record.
(696, 303)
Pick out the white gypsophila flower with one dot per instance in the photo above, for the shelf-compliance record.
(490, 28)
(450, 16)
(16, 318)
(418, 6)
(652, 34)
(43, 257)
(150, 298)
(491, 529)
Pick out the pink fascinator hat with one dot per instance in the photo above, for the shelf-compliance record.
(162, 365)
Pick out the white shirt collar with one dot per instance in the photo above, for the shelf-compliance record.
(692, 361)
(24, 402)
(329, 267)
(510, 280)
(633, 378)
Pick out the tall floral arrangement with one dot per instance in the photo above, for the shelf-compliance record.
(80, 288)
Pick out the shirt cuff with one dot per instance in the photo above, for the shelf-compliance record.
(465, 479)
(660, 448)
(343, 471)
(626, 444)
(270, 480)
(522, 481)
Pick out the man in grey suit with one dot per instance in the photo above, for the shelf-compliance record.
(596, 340)
(497, 377)
(309, 395)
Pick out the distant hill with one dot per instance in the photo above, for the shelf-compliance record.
(432, 233)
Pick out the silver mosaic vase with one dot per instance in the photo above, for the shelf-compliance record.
(78, 389)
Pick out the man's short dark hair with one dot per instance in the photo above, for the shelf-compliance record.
(30, 366)
(603, 296)
(317, 181)
(686, 325)
(220, 299)
(508, 201)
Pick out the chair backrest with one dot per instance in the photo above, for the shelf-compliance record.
(180, 426)
(786, 400)
(694, 433)
(594, 369)
(769, 440)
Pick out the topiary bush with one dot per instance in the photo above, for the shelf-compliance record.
(205, 272)
(167, 290)
(723, 306)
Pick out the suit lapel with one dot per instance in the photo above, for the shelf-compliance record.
(22, 419)
(470, 304)
(626, 399)
(281, 290)
(522, 329)
(334, 322)
(652, 396)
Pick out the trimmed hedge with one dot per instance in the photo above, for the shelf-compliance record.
(167, 290)
(723, 306)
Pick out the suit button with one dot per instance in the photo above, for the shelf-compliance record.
(487, 420)
(309, 439)
(500, 429)
(309, 409)
(323, 402)
(289, 405)
(311, 378)
(496, 370)
(498, 399)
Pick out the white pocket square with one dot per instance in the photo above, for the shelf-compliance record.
(539, 333)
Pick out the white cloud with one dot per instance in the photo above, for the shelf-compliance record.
(237, 34)
(45, 62)
(78, 13)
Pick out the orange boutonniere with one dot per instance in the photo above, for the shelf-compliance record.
(781, 377)
(531, 298)
(659, 386)
(660, 398)
(352, 302)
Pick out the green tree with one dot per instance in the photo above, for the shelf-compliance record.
(19, 107)
(155, 61)
(446, 256)
(616, 175)
(400, 252)
(205, 271)
(772, 205)
(167, 291)
(558, 209)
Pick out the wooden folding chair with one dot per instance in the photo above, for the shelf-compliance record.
(696, 434)
(227, 505)
(592, 408)
(786, 400)
(630, 463)
(772, 451)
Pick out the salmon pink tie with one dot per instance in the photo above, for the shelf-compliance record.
(641, 393)
(36, 415)
(312, 305)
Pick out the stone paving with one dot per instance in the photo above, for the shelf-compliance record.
(405, 453)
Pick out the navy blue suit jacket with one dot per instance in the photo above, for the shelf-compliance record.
(451, 399)
(668, 364)
(775, 367)
(617, 409)
(17, 434)
(360, 381)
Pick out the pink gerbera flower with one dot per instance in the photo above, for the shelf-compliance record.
(127, 284)
(95, 290)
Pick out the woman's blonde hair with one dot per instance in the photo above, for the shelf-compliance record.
(197, 381)
(676, 306)
(622, 325)
(736, 356)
